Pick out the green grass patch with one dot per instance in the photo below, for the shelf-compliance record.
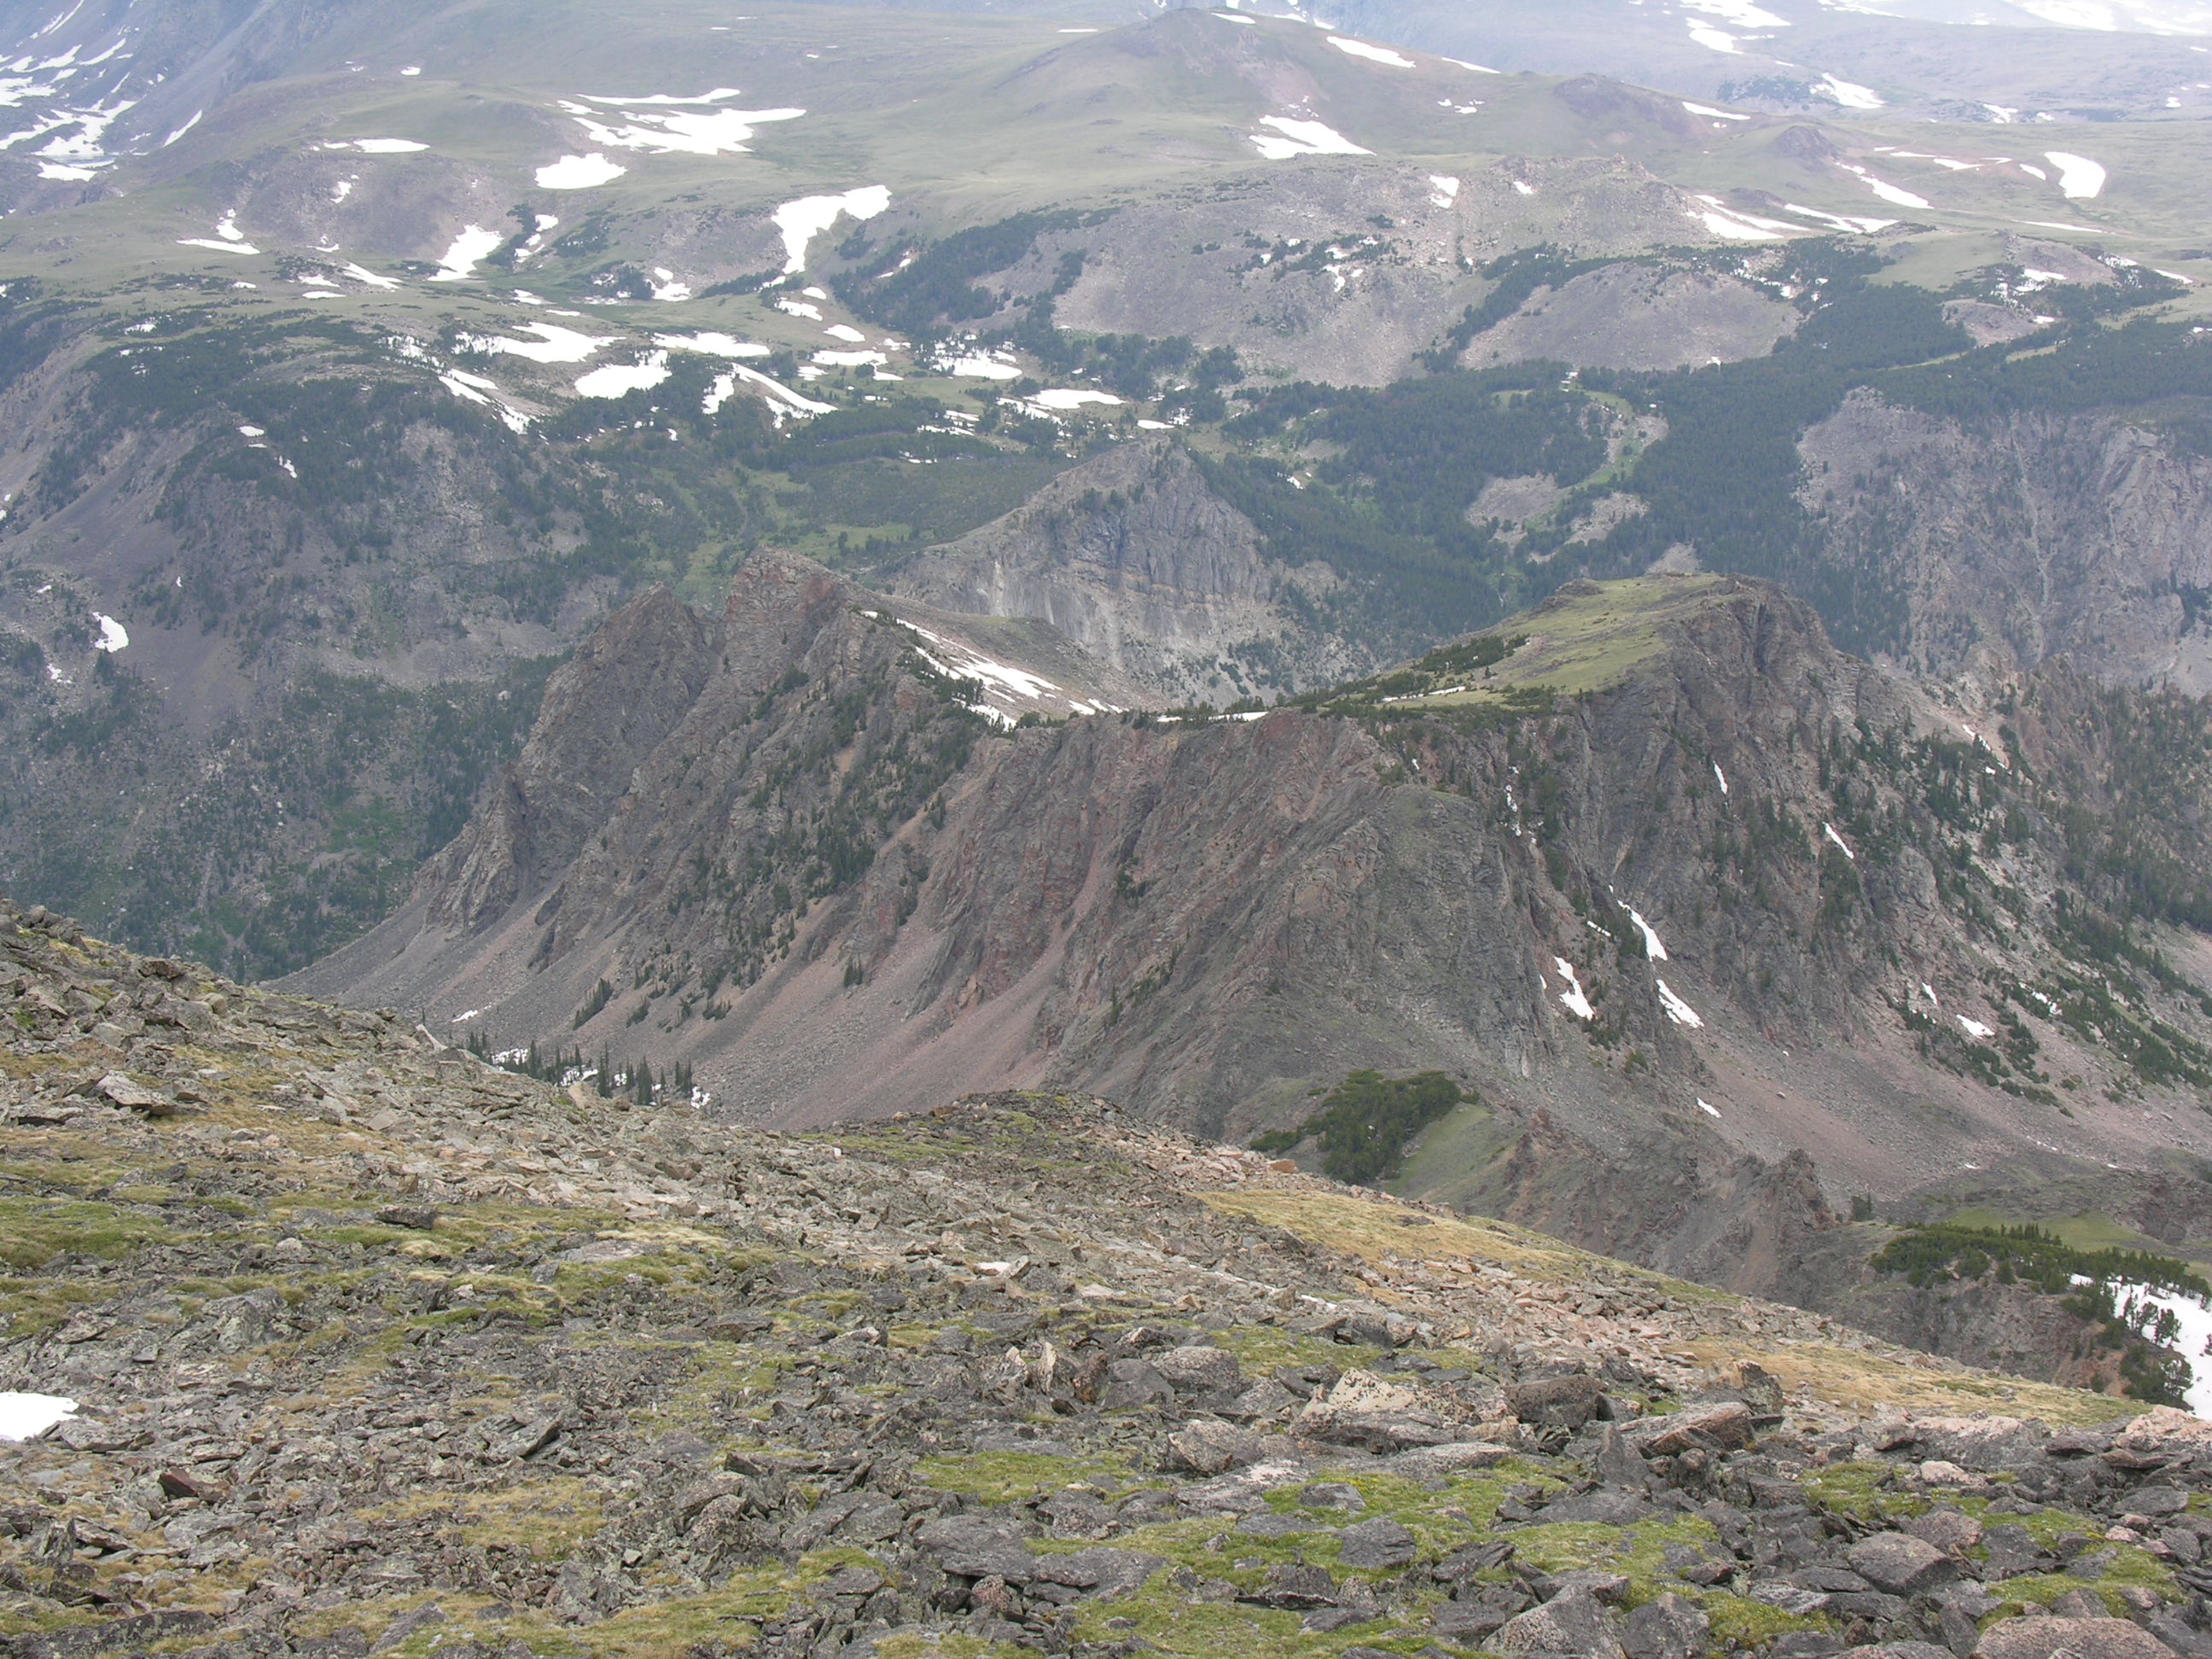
(1012, 1477)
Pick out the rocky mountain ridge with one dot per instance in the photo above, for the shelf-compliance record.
(1671, 884)
(358, 1344)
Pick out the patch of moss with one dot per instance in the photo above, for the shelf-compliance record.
(1638, 1552)
(1741, 1622)
(553, 1516)
(34, 1230)
(1010, 1477)
(1866, 1492)
(1262, 1348)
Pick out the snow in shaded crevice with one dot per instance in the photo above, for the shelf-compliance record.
(1652, 947)
(1572, 998)
(1677, 1010)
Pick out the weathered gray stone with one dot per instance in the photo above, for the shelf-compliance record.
(1571, 1622)
(1901, 1563)
(2086, 1638)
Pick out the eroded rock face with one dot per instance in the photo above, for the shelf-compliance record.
(1132, 556)
(2022, 538)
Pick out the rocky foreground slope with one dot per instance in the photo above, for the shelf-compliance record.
(377, 1349)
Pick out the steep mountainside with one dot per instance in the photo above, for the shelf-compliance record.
(2088, 536)
(331, 1341)
(1668, 881)
(1138, 560)
(360, 359)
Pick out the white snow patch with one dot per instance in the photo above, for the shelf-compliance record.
(554, 343)
(578, 173)
(2079, 177)
(784, 400)
(799, 308)
(616, 380)
(850, 359)
(113, 635)
(1679, 1010)
(1974, 1028)
(1742, 13)
(1709, 1108)
(2193, 1341)
(1652, 947)
(1740, 228)
(1712, 38)
(56, 170)
(845, 333)
(1372, 54)
(253, 432)
(1573, 998)
(183, 130)
(474, 243)
(1072, 398)
(1446, 189)
(1708, 110)
(981, 368)
(802, 220)
(1720, 777)
(363, 275)
(1838, 220)
(1294, 137)
(343, 189)
(1522, 187)
(1828, 833)
(710, 344)
(379, 146)
(665, 98)
(1890, 193)
(24, 1415)
(686, 132)
(1929, 990)
(1850, 94)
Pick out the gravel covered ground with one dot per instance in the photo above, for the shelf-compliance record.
(376, 1349)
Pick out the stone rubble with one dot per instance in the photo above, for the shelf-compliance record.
(378, 1349)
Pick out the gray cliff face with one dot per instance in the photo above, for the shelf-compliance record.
(1131, 555)
(2037, 536)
